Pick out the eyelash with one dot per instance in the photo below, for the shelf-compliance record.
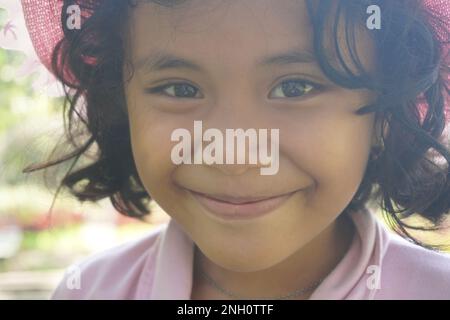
(160, 89)
(312, 87)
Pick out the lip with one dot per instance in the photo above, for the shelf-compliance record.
(240, 208)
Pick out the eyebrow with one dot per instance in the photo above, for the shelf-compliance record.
(163, 61)
(289, 57)
(160, 61)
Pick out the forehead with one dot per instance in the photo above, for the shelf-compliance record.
(233, 32)
(220, 29)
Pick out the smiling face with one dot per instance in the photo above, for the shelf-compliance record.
(243, 64)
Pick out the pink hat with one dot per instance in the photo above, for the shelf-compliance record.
(43, 19)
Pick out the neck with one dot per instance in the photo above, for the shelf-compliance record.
(305, 267)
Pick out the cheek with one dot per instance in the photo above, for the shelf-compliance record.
(151, 146)
(333, 150)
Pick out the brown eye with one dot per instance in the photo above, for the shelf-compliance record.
(176, 90)
(293, 88)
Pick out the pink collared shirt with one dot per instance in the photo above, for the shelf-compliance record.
(378, 265)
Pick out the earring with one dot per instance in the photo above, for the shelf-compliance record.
(377, 150)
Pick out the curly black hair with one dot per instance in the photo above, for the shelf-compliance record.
(408, 174)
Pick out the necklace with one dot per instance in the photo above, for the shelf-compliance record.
(287, 296)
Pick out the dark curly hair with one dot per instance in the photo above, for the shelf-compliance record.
(408, 174)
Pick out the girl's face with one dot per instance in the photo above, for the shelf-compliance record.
(323, 145)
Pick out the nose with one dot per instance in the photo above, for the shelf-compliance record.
(240, 126)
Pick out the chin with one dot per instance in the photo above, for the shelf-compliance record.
(235, 259)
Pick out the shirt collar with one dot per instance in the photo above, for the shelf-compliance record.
(358, 274)
(349, 280)
(174, 265)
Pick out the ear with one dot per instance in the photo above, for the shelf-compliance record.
(381, 129)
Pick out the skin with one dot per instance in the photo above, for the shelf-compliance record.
(324, 146)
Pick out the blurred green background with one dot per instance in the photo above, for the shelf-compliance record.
(35, 247)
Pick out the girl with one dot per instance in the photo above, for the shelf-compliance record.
(357, 90)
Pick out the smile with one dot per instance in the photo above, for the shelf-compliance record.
(240, 208)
